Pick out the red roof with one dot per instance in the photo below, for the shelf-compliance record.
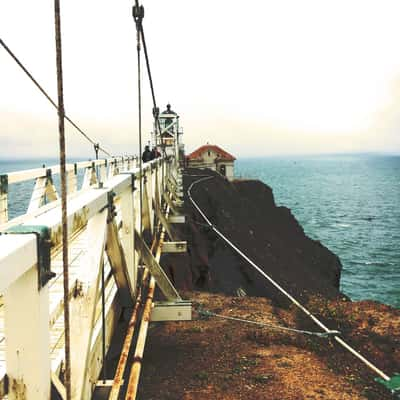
(222, 154)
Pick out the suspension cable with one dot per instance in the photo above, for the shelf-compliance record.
(280, 288)
(61, 128)
(156, 110)
(52, 102)
(138, 14)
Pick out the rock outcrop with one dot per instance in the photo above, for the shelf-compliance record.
(245, 211)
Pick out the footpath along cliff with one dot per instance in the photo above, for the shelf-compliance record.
(211, 358)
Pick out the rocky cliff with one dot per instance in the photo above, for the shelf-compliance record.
(214, 358)
(245, 212)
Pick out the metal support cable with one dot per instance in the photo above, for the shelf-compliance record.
(156, 110)
(280, 288)
(14, 57)
(138, 14)
(207, 313)
(61, 128)
(146, 55)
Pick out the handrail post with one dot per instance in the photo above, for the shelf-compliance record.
(3, 199)
(28, 337)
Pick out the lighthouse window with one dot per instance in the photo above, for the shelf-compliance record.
(209, 154)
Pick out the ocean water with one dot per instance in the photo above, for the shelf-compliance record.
(351, 203)
(20, 193)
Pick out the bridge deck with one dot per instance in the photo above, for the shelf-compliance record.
(78, 248)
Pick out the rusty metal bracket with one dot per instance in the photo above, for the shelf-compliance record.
(49, 178)
(3, 184)
(111, 207)
(133, 179)
(43, 240)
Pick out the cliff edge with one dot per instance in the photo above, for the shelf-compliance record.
(246, 213)
(213, 358)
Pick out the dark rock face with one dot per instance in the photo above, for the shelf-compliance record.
(245, 212)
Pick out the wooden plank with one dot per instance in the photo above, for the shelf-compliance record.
(146, 215)
(113, 312)
(117, 260)
(83, 307)
(172, 311)
(127, 233)
(155, 269)
(72, 182)
(51, 192)
(60, 388)
(176, 219)
(164, 222)
(87, 178)
(174, 247)
(174, 208)
(38, 195)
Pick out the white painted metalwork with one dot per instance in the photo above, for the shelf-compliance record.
(45, 191)
(102, 221)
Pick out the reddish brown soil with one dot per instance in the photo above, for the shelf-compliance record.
(218, 359)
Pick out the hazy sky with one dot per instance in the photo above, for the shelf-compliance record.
(257, 77)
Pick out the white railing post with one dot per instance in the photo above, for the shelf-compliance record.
(90, 177)
(27, 337)
(3, 199)
(38, 195)
(127, 232)
(103, 171)
(72, 180)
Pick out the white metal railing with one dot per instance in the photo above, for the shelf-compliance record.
(44, 189)
(102, 219)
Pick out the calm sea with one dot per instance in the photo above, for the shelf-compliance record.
(20, 193)
(350, 203)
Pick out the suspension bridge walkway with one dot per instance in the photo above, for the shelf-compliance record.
(80, 255)
(107, 255)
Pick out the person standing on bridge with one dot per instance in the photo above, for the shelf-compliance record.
(146, 156)
(155, 153)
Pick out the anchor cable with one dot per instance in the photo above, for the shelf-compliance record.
(206, 313)
(8, 50)
(61, 128)
(280, 288)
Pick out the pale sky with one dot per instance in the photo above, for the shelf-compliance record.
(257, 77)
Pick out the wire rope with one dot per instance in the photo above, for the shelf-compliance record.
(52, 102)
(61, 128)
(280, 288)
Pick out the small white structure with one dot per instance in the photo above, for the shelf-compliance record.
(169, 138)
(213, 157)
